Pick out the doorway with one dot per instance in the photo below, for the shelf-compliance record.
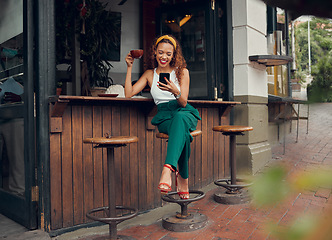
(18, 194)
(201, 28)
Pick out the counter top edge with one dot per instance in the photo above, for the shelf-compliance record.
(66, 98)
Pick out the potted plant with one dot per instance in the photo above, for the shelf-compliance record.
(98, 33)
(58, 88)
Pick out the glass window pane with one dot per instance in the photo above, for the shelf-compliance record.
(12, 171)
(189, 28)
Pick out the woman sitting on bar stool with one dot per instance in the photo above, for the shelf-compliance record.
(175, 116)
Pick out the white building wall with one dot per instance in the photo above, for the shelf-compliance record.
(249, 38)
(250, 84)
(130, 38)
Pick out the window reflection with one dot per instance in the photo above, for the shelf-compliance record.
(12, 175)
(189, 28)
(11, 59)
(276, 45)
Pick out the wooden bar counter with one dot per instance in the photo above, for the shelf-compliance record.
(77, 170)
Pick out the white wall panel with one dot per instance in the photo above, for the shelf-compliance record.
(240, 45)
(130, 37)
(239, 12)
(249, 38)
(256, 13)
(241, 80)
(257, 43)
(257, 85)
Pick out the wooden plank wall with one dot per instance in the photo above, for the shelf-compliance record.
(78, 176)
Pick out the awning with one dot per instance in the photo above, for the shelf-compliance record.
(296, 8)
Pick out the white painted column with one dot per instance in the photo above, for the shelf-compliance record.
(250, 84)
(249, 38)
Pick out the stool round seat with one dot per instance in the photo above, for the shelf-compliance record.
(194, 133)
(232, 129)
(116, 140)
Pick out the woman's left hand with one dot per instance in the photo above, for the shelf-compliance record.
(170, 87)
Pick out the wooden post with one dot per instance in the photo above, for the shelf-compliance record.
(76, 65)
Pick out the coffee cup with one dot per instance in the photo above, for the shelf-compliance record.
(136, 53)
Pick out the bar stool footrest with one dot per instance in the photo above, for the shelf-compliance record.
(232, 188)
(109, 220)
(169, 197)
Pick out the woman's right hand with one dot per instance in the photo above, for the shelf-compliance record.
(129, 60)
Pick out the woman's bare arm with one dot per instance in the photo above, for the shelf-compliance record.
(131, 90)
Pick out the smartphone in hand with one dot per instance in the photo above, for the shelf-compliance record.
(162, 77)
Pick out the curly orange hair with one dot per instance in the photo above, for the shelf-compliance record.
(177, 61)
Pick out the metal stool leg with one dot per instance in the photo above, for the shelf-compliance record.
(111, 210)
(112, 219)
(232, 158)
(111, 192)
(234, 193)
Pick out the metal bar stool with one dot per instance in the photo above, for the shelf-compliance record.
(112, 219)
(183, 221)
(234, 187)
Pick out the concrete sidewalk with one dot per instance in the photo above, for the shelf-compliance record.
(241, 222)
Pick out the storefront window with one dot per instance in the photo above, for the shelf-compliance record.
(276, 45)
(12, 171)
(201, 28)
(189, 28)
(12, 127)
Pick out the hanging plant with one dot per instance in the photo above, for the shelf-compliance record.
(98, 34)
(64, 27)
(83, 15)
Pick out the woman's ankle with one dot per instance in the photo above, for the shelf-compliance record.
(183, 184)
(166, 175)
(168, 167)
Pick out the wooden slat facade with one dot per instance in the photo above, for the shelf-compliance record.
(78, 176)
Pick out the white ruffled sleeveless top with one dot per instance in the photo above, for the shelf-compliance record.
(160, 96)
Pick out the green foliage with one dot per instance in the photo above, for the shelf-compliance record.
(320, 41)
(296, 231)
(100, 36)
(320, 89)
(274, 186)
(64, 27)
(312, 180)
(322, 72)
(321, 50)
(270, 188)
(301, 76)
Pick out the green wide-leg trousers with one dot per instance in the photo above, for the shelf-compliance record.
(178, 129)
